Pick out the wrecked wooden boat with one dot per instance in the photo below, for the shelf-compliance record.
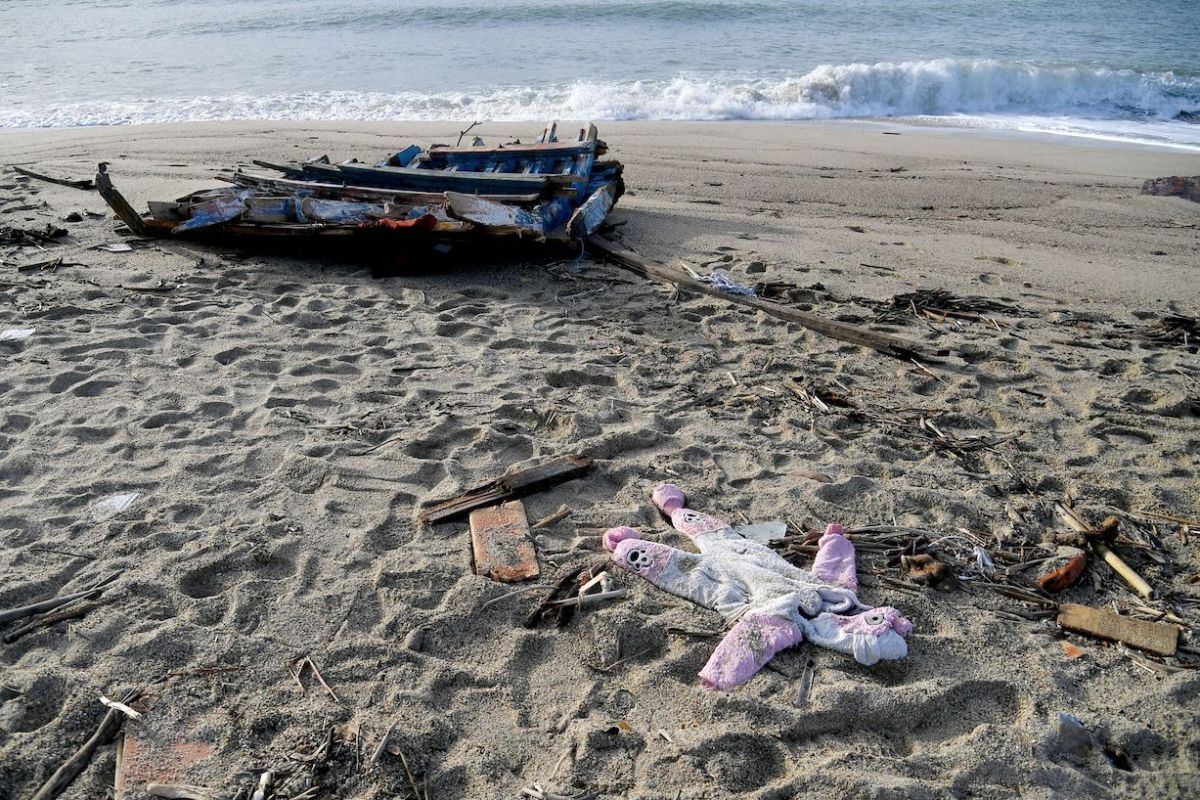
(544, 190)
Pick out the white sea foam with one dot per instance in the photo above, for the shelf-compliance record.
(941, 88)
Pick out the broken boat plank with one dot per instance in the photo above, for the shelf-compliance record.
(883, 342)
(408, 178)
(120, 205)
(1153, 637)
(82, 183)
(337, 191)
(509, 485)
(501, 543)
(589, 216)
(500, 216)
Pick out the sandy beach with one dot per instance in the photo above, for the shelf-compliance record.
(282, 420)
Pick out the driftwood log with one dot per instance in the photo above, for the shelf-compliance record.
(883, 342)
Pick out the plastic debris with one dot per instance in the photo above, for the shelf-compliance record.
(726, 284)
(112, 505)
(16, 334)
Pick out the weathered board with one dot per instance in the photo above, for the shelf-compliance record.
(509, 485)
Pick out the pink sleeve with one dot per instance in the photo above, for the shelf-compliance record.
(835, 559)
(750, 644)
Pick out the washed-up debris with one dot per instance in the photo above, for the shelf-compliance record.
(26, 236)
(119, 706)
(1154, 637)
(785, 605)
(508, 486)
(939, 305)
(1100, 540)
(57, 602)
(1174, 186)
(501, 543)
(16, 334)
(885, 343)
(546, 190)
(926, 570)
(567, 586)
(1064, 571)
(113, 505)
(78, 762)
(155, 755)
(1175, 330)
(1073, 739)
(726, 284)
(1070, 650)
(84, 184)
(115, 247)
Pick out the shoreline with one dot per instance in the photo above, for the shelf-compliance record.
(966, 125)
(282, 419)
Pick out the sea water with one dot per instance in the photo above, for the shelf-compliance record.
(1122, 69)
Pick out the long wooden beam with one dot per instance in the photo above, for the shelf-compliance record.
(843, 331)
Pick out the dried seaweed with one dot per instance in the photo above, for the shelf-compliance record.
(939, 304)
(1175, 330)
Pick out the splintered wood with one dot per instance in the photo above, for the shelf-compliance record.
(1153, 637)
(500, 540)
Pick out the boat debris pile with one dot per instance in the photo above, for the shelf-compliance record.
(545, 190)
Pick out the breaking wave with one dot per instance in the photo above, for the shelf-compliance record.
(935, 88)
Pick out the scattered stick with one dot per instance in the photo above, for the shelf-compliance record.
(77, 763)
(545, 522)
(1077, 524)
(61, 553)
(53, 618)
(559, 591)
(506, 595)
(582, 600)
(466, 130)
(382, 744)
(56, 602)
(620, 661)
(307, 660)
(558, 765)
(1190, 523)
(85, 184)
(416, 790)
(124, 709)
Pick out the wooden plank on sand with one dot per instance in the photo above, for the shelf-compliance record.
(1153, 637)
(501, 543)
(509, 485)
